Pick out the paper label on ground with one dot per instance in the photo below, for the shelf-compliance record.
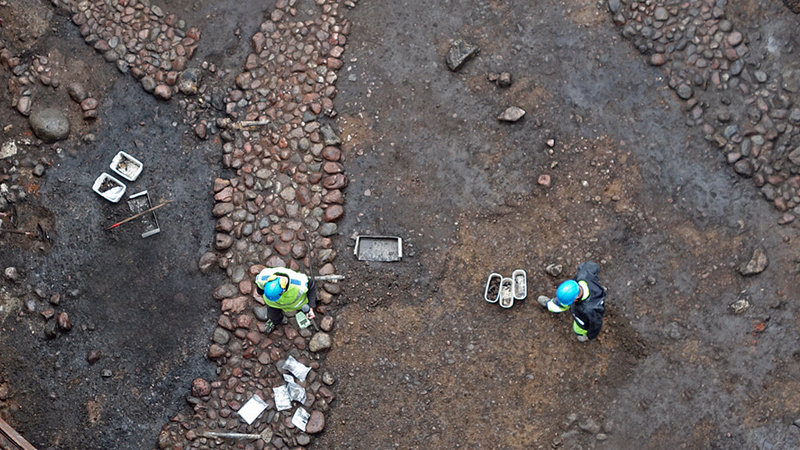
(252, 409)
(282, 399)
(296, 368)
(300, 419)
(296, 392)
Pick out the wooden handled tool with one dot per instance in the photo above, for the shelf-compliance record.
(139, 214)
(26, 233)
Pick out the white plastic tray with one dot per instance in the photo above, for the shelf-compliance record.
(494, 279)
(114, 193)
(520, 286)
(126, 166)
(506, 293)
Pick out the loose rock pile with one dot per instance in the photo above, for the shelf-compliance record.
(745, 103)
(575, 426)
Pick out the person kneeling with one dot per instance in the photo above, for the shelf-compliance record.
(284, 290)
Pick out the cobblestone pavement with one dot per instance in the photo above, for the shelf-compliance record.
(280, 210)
(733, 84)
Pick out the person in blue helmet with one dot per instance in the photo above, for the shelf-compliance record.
(585, 297)
(284, 290)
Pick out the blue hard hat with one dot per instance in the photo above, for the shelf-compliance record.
(568, 292)
(273, 289)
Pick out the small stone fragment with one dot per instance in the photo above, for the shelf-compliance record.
(459, 53)
(38, 170)
(504, 80)
(758, 262)
(77, 92)
(544, 180)
(93, 356)
(188, 81)
(658, 59)
(326, 324)
(329, 135)
(685, 91)
(200, 387)
(201, 130)
(63, 321)
(163, 92)
(216, 351)
(11, 274)
(51, 329)
(207, 261)
(319, 342)
(24, 105)
(316, 422)
(511, 114)
(223, 241)
(740, 306)
(89, 103)
(554, 270)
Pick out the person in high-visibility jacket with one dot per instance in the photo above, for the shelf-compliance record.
(585, 297)
(283, 289)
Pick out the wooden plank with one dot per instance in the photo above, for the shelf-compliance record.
(16, 438)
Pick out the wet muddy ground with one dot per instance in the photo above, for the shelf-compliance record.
(421, 360)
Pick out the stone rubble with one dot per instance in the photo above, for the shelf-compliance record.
(745, 103)
(574, 425)
(511, 114)
(757, 263)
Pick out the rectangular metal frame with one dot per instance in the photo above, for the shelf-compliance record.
(157, 228)
(392, 254)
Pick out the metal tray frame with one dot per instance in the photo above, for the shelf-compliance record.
(397, 254)
(152, 214)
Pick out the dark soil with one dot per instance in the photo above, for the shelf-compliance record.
(421, 360)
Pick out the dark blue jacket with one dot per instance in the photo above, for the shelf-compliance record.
(590, 311)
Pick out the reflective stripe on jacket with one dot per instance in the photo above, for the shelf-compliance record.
(296, 293)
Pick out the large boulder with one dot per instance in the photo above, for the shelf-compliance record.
(50, 124)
